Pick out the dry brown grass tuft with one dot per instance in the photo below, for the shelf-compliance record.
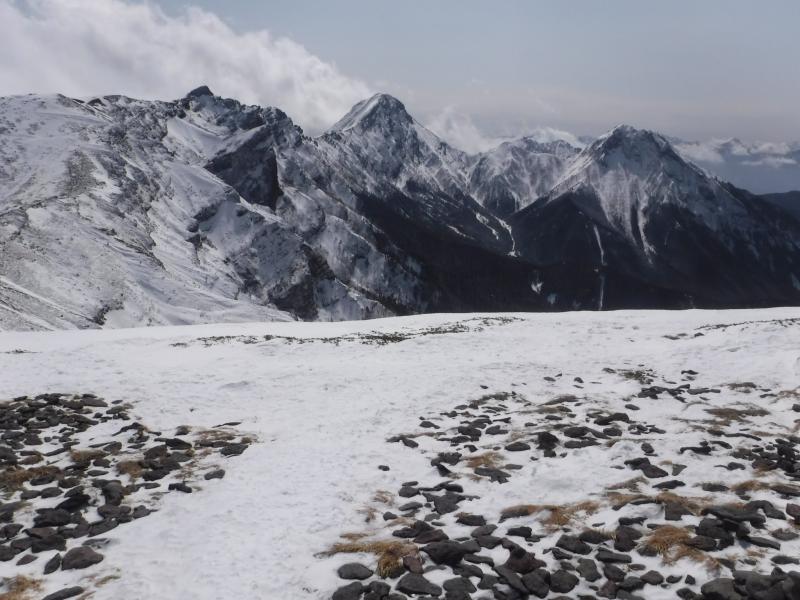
(694, 504)
(31, 459)
(754, 552)
(131, 468)
(518, 434)
(744, 386)
(727, 415)
(751, 485)
(489, 459)
(20, 587)
(795, 393)
(369, 512)
(354, 536)
(620, 499)
(390, 553)
(83, 456)
(558, 515)
(607, 533)
(210, 436)
(12, 479)
(671, 543)
(632, 485)
(383, 496)
(99, 581)
(663, 540)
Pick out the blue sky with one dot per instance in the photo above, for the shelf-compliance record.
(703, 68)
(695, 69)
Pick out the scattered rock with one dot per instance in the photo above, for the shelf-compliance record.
(354, 571)
(69, 592)
(414, 584)
(80, 558)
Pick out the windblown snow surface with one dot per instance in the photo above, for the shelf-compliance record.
(320, 400)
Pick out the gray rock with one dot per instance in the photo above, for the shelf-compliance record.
(537, 582)
(572, 544)
(414, 584)
(52, 565)
(459, 584)
(606, 556)
(69, 592)
(377, 590)
(763, 542)
(354, 571)
(445, 553)
(80, 558)
(518, 447)
(721, 588)
(653, 578)
(562, 581)
(511, 579)
(587, 569)
(521, 531)
(351, 591)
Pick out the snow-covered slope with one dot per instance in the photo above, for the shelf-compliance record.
(630, 223)
(317, 403)
(109, 216)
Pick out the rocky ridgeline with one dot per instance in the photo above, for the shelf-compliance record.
(671, 529)
(76, 467)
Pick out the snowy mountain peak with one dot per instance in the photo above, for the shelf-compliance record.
(633, 173)
(628, 138)
(378, 111)
(199, 92)
(631, 155)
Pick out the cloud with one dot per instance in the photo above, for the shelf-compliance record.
(459, 130)
(88, 47)
(774, 162)
(736, 152)
(700, 152)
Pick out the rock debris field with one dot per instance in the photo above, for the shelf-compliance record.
(76, 466)
(720, 492)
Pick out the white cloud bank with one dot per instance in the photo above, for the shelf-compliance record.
(460, 131)
(87, 47)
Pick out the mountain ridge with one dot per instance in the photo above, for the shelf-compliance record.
(116, 212)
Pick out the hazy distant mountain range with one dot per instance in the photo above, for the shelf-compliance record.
(122, 212)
